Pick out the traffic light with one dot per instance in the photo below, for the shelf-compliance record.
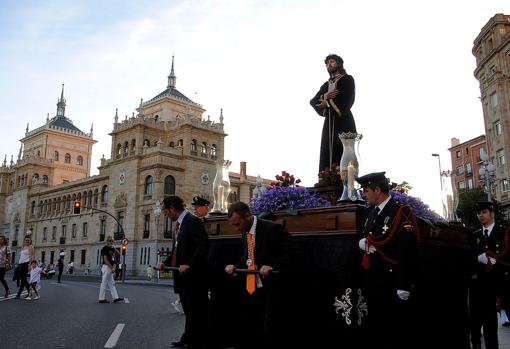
(124, 248)
(77, 207)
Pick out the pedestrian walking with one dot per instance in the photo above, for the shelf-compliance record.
(5, 262)
(25, 258)
(60, 264)
(149, 272)
(35, 279)
(189, 252)
(70, 267)
(107, 270)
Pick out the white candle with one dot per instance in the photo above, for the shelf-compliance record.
(220, 196)
(350, 176)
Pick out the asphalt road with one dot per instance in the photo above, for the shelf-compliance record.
(68, 316)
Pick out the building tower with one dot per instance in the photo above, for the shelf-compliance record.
(492, 51)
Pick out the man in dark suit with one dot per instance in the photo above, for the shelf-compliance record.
(491, 260)
(389, 241)
(333, 102)
(263, 244)
(189, 252)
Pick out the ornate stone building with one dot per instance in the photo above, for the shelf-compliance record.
(166, 148)
(492, 51)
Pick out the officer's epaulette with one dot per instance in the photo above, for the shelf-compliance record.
(477, 231)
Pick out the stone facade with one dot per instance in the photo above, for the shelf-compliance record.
(492, 51)
(166, 148)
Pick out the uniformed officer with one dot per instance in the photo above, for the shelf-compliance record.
(491, 260)
(389, 242)
(201, 206)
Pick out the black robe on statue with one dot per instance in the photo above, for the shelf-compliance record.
(341, 122)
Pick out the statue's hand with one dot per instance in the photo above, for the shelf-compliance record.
(332, 94)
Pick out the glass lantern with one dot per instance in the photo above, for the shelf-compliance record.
(221, 187)
(349, 165)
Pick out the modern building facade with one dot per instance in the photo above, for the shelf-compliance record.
(166, 148)
(492, 51)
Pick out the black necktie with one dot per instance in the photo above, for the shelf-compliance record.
(486, 233)
(376, 213)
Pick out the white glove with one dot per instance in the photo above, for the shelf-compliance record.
(404, 295)
(493, 260)
(362, 245)
(482, 258)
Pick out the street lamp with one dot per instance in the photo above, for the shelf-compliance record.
(157, 215)
(487, 174)
(440, 173)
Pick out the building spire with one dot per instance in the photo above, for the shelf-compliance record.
(221, 116)
(61, 105)
(116, 118)
(172, 78)
(5, 161)
(26, 130)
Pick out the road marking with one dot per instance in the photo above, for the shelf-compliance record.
(12, 295)
(112, 341)
(126, 300)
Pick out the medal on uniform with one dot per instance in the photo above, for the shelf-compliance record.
(248, 262)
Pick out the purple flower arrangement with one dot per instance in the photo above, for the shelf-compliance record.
(286, 198)
(420, 209)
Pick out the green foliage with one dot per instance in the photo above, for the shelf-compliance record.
(467, 199)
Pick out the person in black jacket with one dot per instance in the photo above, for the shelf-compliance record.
(189, 253)
(491, 258)
(333, 102)
(389, 242)
(263, 245)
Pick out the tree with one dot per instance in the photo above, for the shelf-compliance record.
(467, 200)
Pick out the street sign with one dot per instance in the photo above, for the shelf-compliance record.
(125, 241)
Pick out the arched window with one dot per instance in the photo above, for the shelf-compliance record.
(55, 155)
(203, 149)
(180, 143)
(104, 194)
(79, 160)
(171, 145)
(146, 143)
(32, 208)
(169, 185)
(45, 179)
(35, 177)
(67, 158)
(148, 186)
(126, 148)
(119, 150)
(193, 148)
(133, 145)
(213, 151)
(38, 153)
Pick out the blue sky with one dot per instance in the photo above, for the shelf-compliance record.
(261, 61)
